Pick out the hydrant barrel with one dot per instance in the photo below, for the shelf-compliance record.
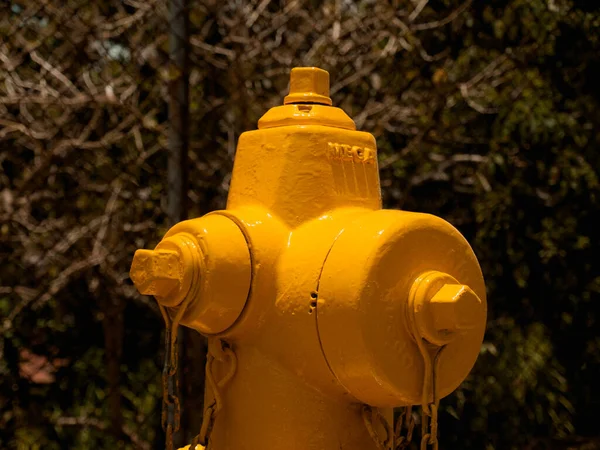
(323, 310)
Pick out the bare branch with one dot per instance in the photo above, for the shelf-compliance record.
(445, 21)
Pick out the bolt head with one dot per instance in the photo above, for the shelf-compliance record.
(156, 272)
(455, 308)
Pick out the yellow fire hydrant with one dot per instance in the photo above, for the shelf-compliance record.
(323, 311)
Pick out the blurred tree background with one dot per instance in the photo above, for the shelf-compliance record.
(486, 113)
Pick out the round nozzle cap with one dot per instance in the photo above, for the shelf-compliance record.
(308, 85)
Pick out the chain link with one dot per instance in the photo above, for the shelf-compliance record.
(395, 439)
(402, 442)
(369, 415)
(222, 352)
(170, 417)
(429, 428)
(429, 408)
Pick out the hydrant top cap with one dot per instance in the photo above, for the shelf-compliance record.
(308, 85)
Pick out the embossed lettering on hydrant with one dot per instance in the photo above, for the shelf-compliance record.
(346, 152)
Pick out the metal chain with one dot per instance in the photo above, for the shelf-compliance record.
(401, 441)
(429, 409)
(394, 438)
(370, 414)
(171, 408)
(171, 414)
(222, 352)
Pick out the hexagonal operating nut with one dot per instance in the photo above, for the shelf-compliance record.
(455, 307)
(156, 272)
(308, 85)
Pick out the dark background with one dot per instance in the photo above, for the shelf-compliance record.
(486, 113)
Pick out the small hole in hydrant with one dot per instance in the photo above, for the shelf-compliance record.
(304, 108)
(313, 301)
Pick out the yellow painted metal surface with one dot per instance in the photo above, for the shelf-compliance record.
(320, 294)
(204, 260)
(308, 85)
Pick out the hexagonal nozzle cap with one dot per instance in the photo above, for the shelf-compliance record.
(155, 272)
(167, 271)
(444, 308)
(308, 85)
(455, 307)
